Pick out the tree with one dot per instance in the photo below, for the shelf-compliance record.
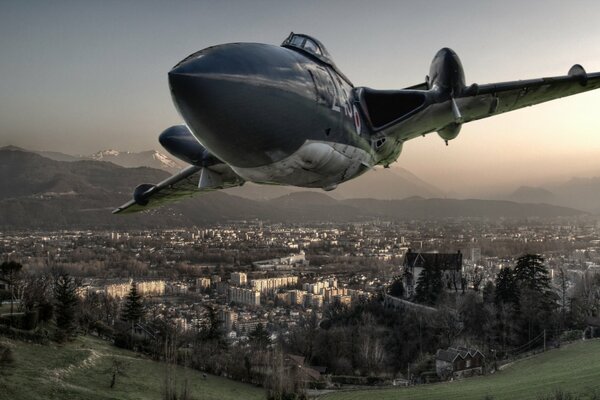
(259, 337)
(429, 286)
(396, 289)
(531, 273)
(586, 300)
(506, 323)
(562, 276)
(283, 383)
(475, 278)
(37, 295)
(473, 315)
(117, 368)
(302, 339)
(170, 391)
(6, 358)
(447, 324)
(506, 288)
(536, 299)
(133, 310)
(213, 331)
(10, 271)
(489, 293)
(370, 348)
(65, 296)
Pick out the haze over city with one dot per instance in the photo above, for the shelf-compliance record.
(79, 77)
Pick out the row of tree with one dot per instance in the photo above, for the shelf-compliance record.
(516, 314)
(54, 300)
(43, 298)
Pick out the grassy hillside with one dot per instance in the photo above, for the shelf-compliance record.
(80, 370)
(574, 368)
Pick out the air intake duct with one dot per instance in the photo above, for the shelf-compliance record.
(179, 142)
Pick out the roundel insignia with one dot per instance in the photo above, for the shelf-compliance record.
(356, 119)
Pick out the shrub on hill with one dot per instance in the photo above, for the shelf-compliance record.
(6, 358)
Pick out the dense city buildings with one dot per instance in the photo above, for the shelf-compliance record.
(252, 272)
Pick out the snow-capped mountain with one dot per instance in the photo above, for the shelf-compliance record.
(128, 159)
(150, 158)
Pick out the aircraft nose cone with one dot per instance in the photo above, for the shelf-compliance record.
(236, 97)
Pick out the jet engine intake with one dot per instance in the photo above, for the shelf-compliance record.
(179, 142)
(141, 193)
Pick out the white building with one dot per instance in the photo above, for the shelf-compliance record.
(239, 278)
(244, 296)
(271, 285)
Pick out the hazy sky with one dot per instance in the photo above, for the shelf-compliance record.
(80, 76)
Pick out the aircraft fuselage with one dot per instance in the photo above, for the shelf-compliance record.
(275, 115)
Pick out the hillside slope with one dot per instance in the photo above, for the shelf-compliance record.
(574, 368)
(80, 370)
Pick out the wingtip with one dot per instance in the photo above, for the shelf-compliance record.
(123, 207)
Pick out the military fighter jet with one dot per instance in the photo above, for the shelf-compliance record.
(286, 115)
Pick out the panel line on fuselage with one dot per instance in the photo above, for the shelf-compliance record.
(317, 164)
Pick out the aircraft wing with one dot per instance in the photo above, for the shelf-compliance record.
(482, 101)
(186, 183)
(472, 103)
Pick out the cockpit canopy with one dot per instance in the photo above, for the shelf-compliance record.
(309, 45)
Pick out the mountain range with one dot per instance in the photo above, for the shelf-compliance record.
(42, 193)
(579, 193)
(128, 159)
(384, 184)
(381, 183)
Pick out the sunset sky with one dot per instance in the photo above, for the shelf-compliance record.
(81, 76)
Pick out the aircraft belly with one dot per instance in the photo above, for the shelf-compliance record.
(314, 164)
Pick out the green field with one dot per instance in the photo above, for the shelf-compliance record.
(79, 370)
(573, 368)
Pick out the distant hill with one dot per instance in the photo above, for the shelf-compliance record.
(420, 208)
(55, 155)
(150, 158)
(40, 193)
(582, 193)
(578, 193)
(252, 191)
(381, 183)
(528, 194)
(26, 174)
(304, 199)
(386, 184)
